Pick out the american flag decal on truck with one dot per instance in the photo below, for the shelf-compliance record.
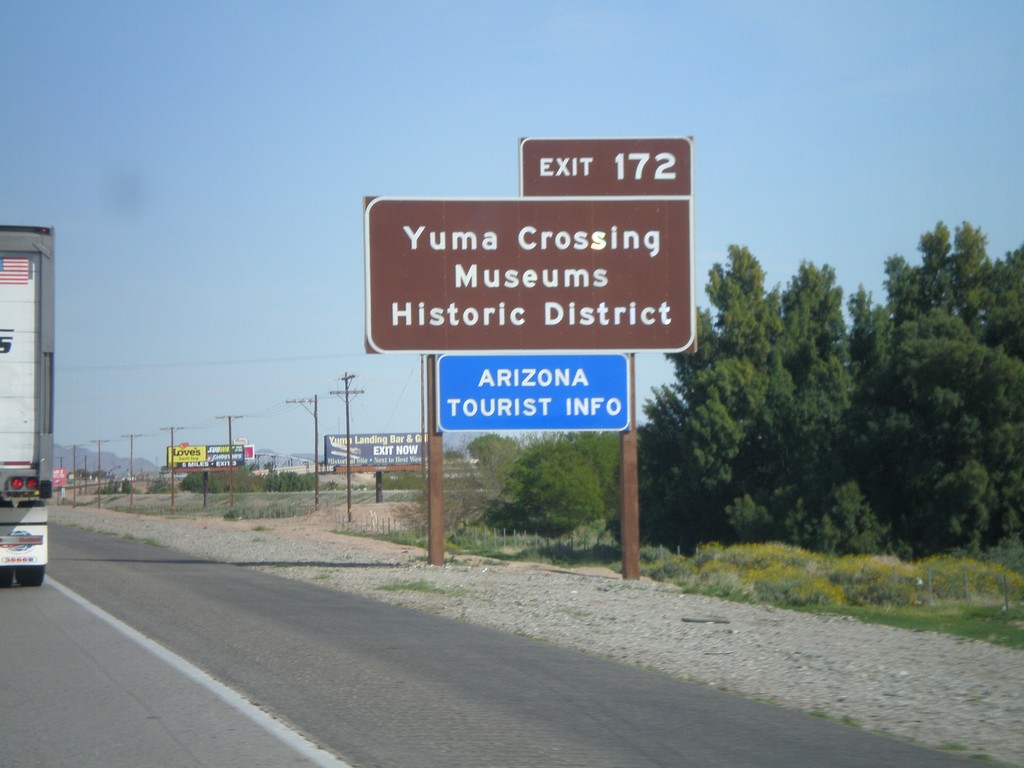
(13, 270)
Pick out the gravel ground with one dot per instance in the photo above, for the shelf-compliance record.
(932, 689)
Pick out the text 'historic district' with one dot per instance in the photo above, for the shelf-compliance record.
(529, 274)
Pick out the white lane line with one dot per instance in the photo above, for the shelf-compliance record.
(275, 728)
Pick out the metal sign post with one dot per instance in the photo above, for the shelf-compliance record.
(435, 471)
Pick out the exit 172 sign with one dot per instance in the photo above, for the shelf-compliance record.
(648, 167)
(532, 392)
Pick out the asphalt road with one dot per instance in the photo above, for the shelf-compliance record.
(382, 686)
(76, 691)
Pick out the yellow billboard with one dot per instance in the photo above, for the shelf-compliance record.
(207, 456)
(185, 454)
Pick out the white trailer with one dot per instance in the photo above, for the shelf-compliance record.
(26, 401)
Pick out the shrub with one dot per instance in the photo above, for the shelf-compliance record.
(784, 574)
(815, 591)
(1009, 553)
(873, 580)
(960, 577)
(671, 569)
(753, 555)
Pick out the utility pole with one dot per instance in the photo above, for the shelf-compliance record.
(99, 472)
(316, 446)
(131, 469)
(231, 461)
(170, 460)
(74, 475)
(348, 394)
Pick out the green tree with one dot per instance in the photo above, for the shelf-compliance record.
(480, 479)
(559, 483)
(741, 447)
(700, 448)
(1005, 315)
(938, 417)
(806, 414)
(904, 430)
(940, 434)
(955, 276)
(848, 524)
(193, 482)
(220, 481)
(288, 482)
(494, 456)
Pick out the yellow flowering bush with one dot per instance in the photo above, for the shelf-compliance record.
(784, 574)
(874, 580)
(960, 578)
(753, 555)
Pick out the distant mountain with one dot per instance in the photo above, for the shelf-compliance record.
(85, 459)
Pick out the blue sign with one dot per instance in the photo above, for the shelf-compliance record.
(382, 450)
(532, 392)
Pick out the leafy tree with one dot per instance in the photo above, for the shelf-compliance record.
(479, 482)
(808, 411)
(288, 482)
(903, 431)
(559, 483)
(699, 450)
(953, 276)
(940, 432)
(193, 482)
(742, 446)
(848, 524)
(1005, 316)
(245, 481)
(869, 337)
(494, 456)
(937, 421)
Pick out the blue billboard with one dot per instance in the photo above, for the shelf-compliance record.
(378, 450)
(532, 392)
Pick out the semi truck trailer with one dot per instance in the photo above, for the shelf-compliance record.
(26, 401)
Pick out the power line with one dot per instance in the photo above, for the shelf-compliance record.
(203, 363)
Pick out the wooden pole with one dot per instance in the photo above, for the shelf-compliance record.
(170, 460)
(435, 471)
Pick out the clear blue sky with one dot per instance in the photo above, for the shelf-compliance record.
(205, 163)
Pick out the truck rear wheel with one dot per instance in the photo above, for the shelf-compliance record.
(31, 575)
(6, 577)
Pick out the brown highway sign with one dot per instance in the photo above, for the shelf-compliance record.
(616, 167)
(529, 274)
